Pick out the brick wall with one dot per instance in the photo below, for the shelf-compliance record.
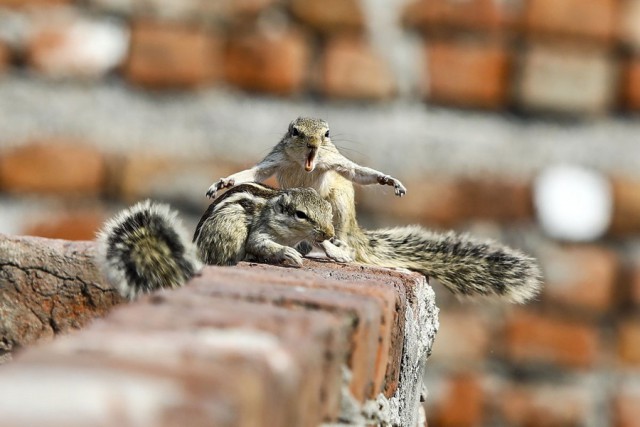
(570, 358)
(534, 56)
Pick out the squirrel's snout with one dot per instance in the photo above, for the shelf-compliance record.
(326, 234)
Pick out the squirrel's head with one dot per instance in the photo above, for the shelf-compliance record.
(301, 214)
(305, 136)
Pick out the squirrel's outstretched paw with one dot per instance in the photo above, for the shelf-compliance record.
(291, 257)
(399, 189)
(219, 185)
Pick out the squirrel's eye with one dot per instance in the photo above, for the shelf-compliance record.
(295, 132)
(326, 134)
(301, 215)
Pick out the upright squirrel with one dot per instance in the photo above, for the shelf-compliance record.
(306, 157)
(145, 247)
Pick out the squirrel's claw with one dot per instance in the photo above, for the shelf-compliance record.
(219, 185)
(291, 257)
(399, 189)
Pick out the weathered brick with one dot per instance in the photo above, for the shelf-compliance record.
(450, 201)
(33, 3)
(581, 276)
(631, 83)
(629, 341)
(542, 339)
(467, 73)
(428, 15)
(78, 225)
(59, 167)
(160, 177)
(634, 284)
(458, 402)
(463, 339)
(68, 45)
(96, 389)
(596, 19)
(626, 206)
(626, 410)
(330, 16)
(263, 61)
(5, 56)
(317, 340)
(542, 405)
(390, 294)
(172, 55)
(351, 68)
(573, 79)
(362, 310)
(628, 24)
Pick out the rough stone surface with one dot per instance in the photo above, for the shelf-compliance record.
(48, 287)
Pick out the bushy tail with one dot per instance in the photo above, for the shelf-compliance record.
(466, 266)
(145, 248)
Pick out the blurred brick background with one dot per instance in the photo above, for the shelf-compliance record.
(105, 102)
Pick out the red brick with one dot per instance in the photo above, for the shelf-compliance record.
(351, 68)
(389, 293)
(631, 83)
(545, 405)
(5, 57)
(626, 405)
(58, 167)
(596, 19)
(268, 62)
(626, 207)
(458, 402)
(629, 18)
(330, 16)
(463, 339)
(573, 79)
(449, 201)
(634, 284)
(581, 276)
(467, 73)
(629, 341)
(172, 55)
(33, 3)
(141, 175)
(363, 311)
(461, 15)
(542, 339)
(69, 226)
(66, 45)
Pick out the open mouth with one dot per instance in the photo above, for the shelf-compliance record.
(310, 162)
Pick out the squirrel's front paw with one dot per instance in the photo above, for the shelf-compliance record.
(291, 257)
(219, 185)
(338, 251)
(399, 189)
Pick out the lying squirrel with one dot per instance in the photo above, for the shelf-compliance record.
(306, 157)
(145, 247)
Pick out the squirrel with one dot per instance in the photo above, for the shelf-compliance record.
(306, 157)
(145, 248)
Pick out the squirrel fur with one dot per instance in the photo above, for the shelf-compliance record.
(146, 248)
(306, 157)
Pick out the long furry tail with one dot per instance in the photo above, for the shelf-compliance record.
(145, 248)
(466, 266)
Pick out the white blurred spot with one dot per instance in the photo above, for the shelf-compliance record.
(573, 203)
